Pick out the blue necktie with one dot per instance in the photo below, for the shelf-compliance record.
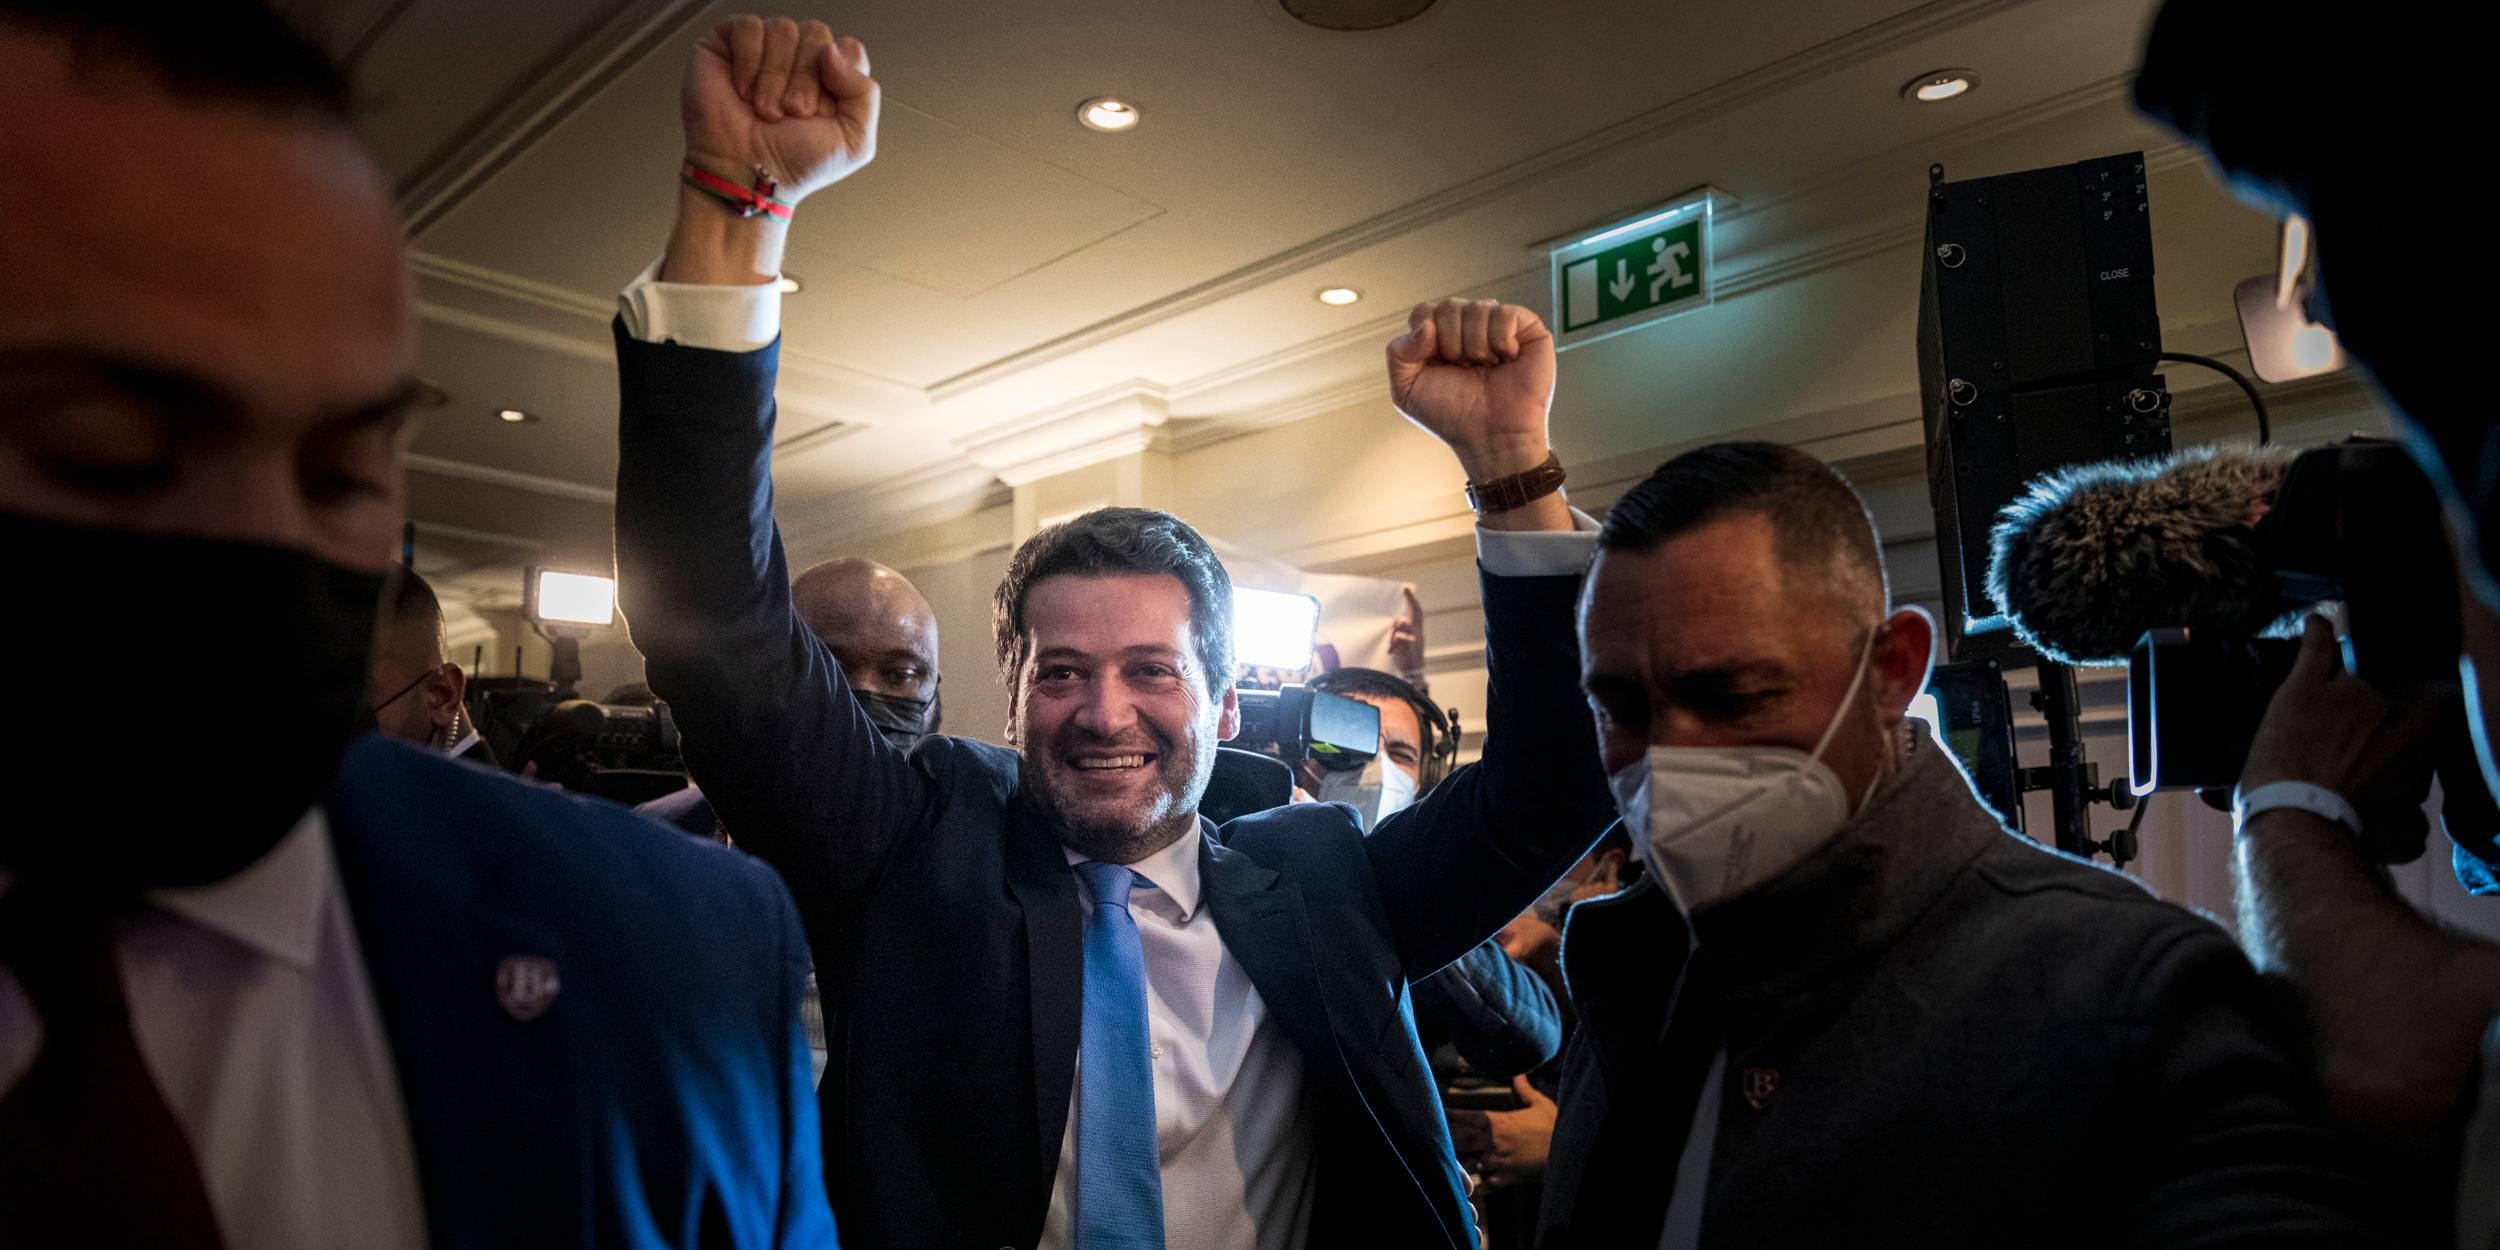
(1119, 1184)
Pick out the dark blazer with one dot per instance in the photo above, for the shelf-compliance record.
(1492, 1010)
(685, 809)
(660, 1096)
(1938, 1035)
(945, 919)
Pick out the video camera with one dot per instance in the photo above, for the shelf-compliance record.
(2354, 523)
(625, 752)
(1285, 724)
(1281, 728)
(2070, 533)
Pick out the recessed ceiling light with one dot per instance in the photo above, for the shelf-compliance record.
(514, 415)
(1105, 113)
(1339, 295)
(1939, 86)
(789, 283)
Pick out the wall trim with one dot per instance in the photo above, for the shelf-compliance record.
(612, 45)
(531, 482)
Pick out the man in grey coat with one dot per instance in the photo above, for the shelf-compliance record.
(1845, 1006)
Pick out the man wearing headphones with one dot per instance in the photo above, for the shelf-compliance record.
(1496, 1014)
(1418, 744)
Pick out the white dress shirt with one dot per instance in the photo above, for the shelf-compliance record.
(1230, 1124)
(1230, 1128)
(249, 1002)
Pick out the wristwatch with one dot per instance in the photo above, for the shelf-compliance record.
(2318, 801)
(1518, 490)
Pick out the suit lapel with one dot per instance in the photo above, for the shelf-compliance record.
(1266, 927)
(1054, 945)
(1261, 918)
(489, 1095)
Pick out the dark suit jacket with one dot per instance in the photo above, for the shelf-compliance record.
(1492, 1010)
(661, 1096)
(685, 809)
(1938, 1035)
(946, 921)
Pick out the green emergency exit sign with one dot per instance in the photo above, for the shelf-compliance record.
(1645, 268)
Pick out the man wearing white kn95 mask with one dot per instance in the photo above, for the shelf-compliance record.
(1845, 1006)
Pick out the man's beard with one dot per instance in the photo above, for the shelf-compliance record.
(1127, 829)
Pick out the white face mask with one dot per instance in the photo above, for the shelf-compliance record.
(1720, 820)
(1378, 789)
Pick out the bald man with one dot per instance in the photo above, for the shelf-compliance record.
(885, 635)
(883, 632)
(412, 689)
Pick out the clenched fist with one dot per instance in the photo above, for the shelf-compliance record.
(1479, 376)
(781, 94)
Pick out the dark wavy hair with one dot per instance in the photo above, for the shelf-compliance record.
(1111, 542)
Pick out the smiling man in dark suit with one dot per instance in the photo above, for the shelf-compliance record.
(1064, 1008)
(307, 993)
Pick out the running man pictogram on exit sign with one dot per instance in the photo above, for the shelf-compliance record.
(1627, 275)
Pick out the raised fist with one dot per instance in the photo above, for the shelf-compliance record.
(781, 94)
(1479, 376)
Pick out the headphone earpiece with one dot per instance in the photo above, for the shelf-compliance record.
(1440, 745)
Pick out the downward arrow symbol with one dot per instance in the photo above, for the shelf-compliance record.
(1622, 285)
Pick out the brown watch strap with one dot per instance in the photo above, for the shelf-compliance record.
(1518, 490)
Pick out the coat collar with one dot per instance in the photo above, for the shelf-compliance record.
(1174, 870)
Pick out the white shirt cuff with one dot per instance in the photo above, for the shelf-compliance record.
(694, 314)
(1538, 553)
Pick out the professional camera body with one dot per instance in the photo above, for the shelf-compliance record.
(627, 753)
(1280, 729)
(2354, 523)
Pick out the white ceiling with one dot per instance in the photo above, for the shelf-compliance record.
(1005, 292)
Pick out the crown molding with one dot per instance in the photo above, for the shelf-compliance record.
(941, 492)
(611, 45)
(1102, 425)
(533, 483)
(1369, 333)
(825, 389)
(1194, 434)
(511, 331)
(464, 533)
(509, 286)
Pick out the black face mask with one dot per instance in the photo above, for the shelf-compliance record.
(370, 719)
(904, 722)
(122, 798)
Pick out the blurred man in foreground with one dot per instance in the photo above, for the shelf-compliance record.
(2403, 1013)
(306, 993)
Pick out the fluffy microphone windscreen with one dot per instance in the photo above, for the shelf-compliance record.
(2091, 556)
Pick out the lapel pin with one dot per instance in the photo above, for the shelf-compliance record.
(1759, 1085)
(526, 985)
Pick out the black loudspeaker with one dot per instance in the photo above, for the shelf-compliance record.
(2037, 346)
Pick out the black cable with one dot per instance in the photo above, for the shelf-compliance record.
(2265, 427)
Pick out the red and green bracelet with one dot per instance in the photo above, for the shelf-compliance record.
(747, 201)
